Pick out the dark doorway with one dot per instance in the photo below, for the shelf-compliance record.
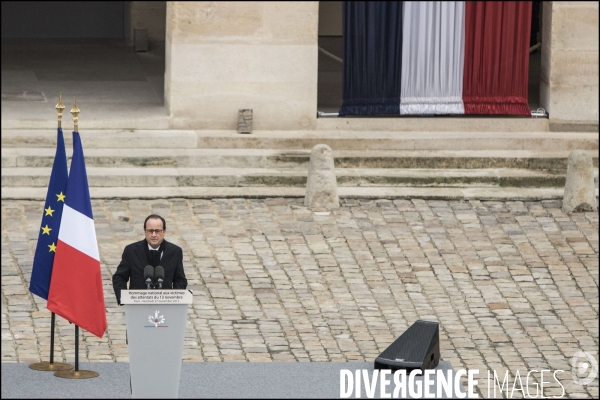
(80, 49)
(331, 66)
(63, 19)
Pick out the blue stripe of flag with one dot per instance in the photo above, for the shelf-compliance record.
(78, 191)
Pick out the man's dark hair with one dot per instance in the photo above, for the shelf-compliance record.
(156, 216)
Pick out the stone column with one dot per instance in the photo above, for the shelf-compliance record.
(569, 76)
(225, 56)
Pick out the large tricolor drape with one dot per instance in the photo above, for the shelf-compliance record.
(436, 57)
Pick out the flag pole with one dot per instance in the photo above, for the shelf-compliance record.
(52, 366)
(59, 109)
(76, 348)
(75, 112)
(53, 321)
(76, 373)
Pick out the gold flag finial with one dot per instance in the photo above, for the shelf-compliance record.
(75, 112)
(59, 109)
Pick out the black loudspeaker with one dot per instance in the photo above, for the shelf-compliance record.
(418, 347)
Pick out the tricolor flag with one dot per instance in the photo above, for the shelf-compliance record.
(51, 216)
(76, 292)
(436, 57)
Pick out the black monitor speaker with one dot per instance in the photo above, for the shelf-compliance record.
(417, 348)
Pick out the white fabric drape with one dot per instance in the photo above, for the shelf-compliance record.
(433, 48)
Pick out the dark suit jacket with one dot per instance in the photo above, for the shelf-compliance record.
(134, 260)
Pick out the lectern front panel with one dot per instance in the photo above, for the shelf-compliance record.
(155, 340)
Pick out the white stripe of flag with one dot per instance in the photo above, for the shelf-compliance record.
(81, 234)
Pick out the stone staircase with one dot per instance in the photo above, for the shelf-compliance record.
(380, 164)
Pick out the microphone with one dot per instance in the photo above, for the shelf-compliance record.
(159, 273)
(149, 276)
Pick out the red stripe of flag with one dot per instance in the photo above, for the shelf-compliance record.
(75, 301)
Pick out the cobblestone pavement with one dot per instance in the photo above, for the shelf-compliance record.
(514, 285)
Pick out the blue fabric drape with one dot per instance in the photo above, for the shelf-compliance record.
(372, 57)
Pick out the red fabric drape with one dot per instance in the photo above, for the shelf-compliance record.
(496, 57)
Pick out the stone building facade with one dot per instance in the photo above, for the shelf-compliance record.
(225, 56)
(221, 57)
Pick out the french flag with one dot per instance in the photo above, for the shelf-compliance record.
(76, 292)
(436, 57)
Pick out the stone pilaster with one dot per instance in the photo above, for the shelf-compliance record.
(569, 80)
(225, 56)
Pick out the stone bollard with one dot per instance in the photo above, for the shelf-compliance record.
(321, 185)
(580, 193)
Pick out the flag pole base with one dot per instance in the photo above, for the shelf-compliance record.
(81, 374)
(46, 366)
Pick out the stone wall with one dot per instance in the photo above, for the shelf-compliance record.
(226, 56)
(569, 80)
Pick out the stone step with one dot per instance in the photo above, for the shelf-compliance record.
(441, 123)
(454, 123)
(243, 177)
(305, 140)
(107, 115)
(114, 138)
(257, 158)
(153, 193)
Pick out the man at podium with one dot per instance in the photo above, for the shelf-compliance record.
(154, 250)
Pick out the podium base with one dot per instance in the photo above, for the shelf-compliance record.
(81, 374)
(46, 366)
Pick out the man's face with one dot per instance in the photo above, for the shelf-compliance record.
(154, 238)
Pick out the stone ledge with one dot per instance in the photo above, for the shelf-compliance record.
(573, 126)
(447, 124)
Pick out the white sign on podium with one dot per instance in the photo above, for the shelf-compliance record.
(156, 296)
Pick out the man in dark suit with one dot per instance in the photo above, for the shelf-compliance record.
(154, 250)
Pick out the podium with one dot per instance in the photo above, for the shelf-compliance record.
(155, 332)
